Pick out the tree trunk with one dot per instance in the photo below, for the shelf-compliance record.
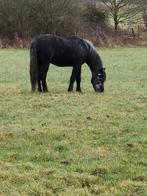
(115, 26)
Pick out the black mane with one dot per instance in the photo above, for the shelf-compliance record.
(93, 61)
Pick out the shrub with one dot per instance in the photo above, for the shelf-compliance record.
(23, 18)
(96, 14)
(14, 18)
(54, 16)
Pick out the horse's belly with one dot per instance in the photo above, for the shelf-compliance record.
(62, 63)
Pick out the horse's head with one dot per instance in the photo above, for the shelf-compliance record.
(98, 80)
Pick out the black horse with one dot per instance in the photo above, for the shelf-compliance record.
(64, 51)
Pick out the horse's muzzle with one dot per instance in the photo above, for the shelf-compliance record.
(99, 88)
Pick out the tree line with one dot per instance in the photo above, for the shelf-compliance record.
(27, 18)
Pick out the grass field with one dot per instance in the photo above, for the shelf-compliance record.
(63, 143)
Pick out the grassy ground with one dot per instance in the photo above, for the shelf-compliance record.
(63, 143)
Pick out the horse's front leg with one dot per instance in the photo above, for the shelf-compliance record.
(78, 79)
(72, 79)
(43, 77)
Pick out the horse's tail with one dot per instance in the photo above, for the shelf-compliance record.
(33, 65)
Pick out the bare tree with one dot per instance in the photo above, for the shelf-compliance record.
(121, 10)
(144, 15)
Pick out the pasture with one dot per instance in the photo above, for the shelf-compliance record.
(61, 143)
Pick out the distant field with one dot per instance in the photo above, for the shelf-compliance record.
(63, 143)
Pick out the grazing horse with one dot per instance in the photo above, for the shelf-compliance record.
(64, 51)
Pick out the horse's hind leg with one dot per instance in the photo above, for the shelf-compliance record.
(39, 80)
(44, 71)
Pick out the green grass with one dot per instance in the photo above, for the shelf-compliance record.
(63, 143)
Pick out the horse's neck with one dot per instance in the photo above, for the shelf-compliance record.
(95, 64)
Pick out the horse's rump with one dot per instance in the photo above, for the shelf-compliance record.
(33, 65)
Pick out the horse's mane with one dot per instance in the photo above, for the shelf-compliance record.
(93, 57)
(91, 44)
(92, 49)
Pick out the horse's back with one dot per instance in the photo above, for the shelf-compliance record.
(61, 51)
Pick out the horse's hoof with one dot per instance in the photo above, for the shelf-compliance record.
(46, 91)
(70, 90)
(79, 90)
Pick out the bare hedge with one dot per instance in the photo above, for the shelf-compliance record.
(25, 18)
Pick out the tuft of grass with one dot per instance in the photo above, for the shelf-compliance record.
(62, 143)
